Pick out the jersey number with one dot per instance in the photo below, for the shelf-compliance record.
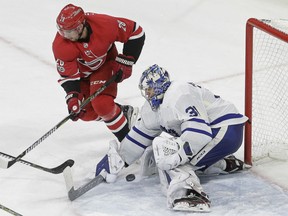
(192, 111)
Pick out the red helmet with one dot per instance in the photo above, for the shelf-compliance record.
(70, 17)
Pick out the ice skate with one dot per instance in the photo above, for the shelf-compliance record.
(233, 164)
(229, 164)
(131, 113)
(194, 202)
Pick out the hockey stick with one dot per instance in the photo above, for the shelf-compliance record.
(9, 210)
(55, 170)
(74, 194)
(6, 164)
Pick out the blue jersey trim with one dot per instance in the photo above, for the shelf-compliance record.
(136, 142)
(197, 131)
(225, 117)
(142, 134)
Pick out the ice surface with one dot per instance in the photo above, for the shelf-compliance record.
(199, 41)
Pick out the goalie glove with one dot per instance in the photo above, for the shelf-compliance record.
(169, 153)
(111, 164)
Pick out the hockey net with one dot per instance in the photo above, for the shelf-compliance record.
(266, 90)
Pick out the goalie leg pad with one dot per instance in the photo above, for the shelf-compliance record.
(111, 164)
(147, 163)
(183, 189)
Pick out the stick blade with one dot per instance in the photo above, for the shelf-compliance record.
(3, 163)
(68, 178)
(74, 194)
(60, 169)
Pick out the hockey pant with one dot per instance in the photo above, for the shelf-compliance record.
(103, 106)
(227, 140)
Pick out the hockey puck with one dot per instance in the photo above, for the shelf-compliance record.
(130, 177)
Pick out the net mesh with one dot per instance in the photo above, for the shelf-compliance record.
(270, 94)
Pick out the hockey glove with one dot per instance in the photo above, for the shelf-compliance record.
(169, 153)
(74, 100)
(111, 164)
(123, 66)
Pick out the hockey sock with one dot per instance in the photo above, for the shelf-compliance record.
(118, 126)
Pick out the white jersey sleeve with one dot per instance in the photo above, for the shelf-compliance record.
(140, 136)
(197, 111)
(187, 111)
(188, 115)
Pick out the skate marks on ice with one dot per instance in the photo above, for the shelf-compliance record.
(234, 194)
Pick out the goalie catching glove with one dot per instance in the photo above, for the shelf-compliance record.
(74, 100)
(123, 66)
(111, 164)
(169, 153)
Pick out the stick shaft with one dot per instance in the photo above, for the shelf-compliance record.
(6, 164)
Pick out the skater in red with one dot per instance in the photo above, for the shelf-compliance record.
(86, 57)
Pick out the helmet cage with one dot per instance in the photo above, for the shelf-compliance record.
(153, 84)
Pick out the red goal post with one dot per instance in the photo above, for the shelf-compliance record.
(266, 70)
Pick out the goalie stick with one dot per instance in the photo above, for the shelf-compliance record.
(75, 193)
(55, 170)
(9, 210)
(6, 164)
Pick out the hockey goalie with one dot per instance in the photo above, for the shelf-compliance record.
(189, 128)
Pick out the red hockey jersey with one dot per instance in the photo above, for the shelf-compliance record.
(79, 59)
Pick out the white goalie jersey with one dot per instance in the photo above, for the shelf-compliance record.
(188, 111)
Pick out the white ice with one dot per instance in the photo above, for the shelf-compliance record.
(196, 40)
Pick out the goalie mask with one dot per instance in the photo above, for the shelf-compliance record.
(153, 84)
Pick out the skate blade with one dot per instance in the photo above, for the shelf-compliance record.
(183, 206)
(246, 166)
(134, 116)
